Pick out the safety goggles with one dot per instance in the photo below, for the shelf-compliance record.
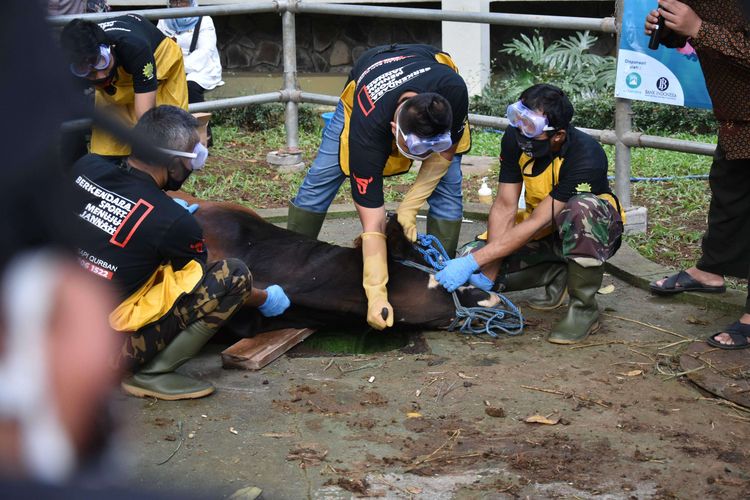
(421, 147)
(197, 157)
(83, 69)
(528, 122)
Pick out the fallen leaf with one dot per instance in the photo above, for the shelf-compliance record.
(233, 430)
(414, 490)
(633, 373)
(494, 412)
(605, 290)
(463, 375)
(538, 419)
(414, 414)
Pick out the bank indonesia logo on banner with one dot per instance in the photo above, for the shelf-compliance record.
(668, 76)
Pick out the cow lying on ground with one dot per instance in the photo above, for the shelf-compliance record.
(323, 281)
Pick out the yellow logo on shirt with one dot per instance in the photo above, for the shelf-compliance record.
(148, 71)
(583, 187)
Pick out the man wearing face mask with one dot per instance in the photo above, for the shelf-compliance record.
(401, 103)
(132, 66)
(135, 236)
(571, 225)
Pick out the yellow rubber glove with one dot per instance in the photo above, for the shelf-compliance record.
(374, 279)
(432, 170)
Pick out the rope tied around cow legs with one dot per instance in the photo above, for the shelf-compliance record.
(503, 317)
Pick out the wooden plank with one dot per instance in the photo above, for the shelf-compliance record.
(256, 352)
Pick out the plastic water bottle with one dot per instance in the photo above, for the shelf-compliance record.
(485, 193)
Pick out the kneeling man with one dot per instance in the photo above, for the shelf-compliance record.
(152, 250)
(571, 225)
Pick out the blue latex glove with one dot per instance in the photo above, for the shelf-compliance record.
(276, 302)
(481, 281)
(457, 272)
(190, 208)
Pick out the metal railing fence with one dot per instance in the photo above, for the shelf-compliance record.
(623, 137)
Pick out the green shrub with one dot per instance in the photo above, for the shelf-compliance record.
(588, 79)
(257, 117)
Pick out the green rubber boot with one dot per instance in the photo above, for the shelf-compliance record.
(447, 231)
(582, 319)
(552, 276)
(304, 221)
(157, 379)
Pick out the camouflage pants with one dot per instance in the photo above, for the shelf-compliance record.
(224, 289)
(588, 230)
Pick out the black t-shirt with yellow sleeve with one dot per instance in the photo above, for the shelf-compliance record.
(580, 166)
(128, 226)
(134, 40)
(377, 81)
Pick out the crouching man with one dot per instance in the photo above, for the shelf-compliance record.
(152, 250)
(571, 225)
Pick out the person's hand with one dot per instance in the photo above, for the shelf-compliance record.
(481, 281)
(457, 272)
(184, 204)
(276, 303)
(379, 313)
(409, 224)
(651, 19)
(679, 17)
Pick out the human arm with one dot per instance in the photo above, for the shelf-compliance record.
(432, 170)
(730, 41)
(144, 102)
(375, 266)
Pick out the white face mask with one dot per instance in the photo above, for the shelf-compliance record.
(28, 289)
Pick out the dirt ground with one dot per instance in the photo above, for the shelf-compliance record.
(451, 422)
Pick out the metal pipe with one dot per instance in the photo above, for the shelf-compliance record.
(623, 125)
(638, 140)
(291, 117)
(605, 24)
(213, 10)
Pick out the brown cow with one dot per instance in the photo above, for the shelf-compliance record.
(323, 281)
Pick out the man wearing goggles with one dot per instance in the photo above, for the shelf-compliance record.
(402, 103)
(133, 235)
(571, 225)
(132, 66)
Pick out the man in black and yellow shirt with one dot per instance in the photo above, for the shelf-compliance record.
(132, 66)
(152, 250)
(401, 103)
(571, 223)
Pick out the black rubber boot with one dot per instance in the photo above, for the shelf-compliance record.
(583, 313)
(447, 231)
(157, 378)
(552, 276)
(304, 221)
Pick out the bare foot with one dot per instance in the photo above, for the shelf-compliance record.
(703, 277)
(724, 338)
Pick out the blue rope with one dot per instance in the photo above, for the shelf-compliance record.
(504, 317)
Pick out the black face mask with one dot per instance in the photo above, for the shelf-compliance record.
(535, 148)
(174, 182)
(106, 82)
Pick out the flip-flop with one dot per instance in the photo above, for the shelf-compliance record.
(683, 282)
(738, 332)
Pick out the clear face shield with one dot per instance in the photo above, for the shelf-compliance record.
(83, 69)
(419, 148)
(528, 122)
(197, 157)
